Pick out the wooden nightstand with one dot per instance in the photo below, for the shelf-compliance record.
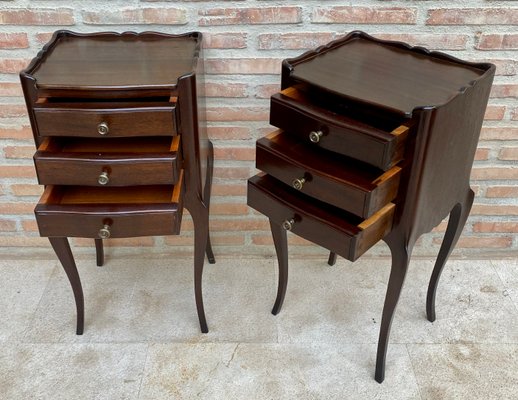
(376, 141)
(118, 122)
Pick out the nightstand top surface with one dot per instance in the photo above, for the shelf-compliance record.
(390, 75)
(115, 61)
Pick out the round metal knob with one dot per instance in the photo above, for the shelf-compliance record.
(103, 179)
(298, 183)
(104, 232)
(103, 129)
(288, 224)
(315, 136)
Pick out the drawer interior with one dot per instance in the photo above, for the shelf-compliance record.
(363, 116)
(69, 195)
(151, 144)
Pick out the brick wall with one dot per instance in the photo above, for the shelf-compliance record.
(246, 41)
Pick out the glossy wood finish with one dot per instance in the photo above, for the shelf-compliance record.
(117, 103)
(334, 179)
(331, 227)
(134, 161)
(345, 130)
(440, 99)
(137, 119)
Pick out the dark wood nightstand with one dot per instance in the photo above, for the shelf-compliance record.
(376, 141)
(118, 122)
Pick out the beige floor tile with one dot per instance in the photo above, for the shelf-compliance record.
(272, 371)
(153, 300)
(72, 371)
(507, 270)
(22, 285)
(466, 371)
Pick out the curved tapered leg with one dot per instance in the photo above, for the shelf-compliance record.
(206, 198)
(200, 217)
(280, 241)
(99, 252)
(400, 258)
(332, 258)
(62, 249)
(458, 216)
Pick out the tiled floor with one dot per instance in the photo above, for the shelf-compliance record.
(142, 341)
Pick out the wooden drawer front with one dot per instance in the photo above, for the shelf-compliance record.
(79, 211)
(355, 187)
(105, 162)
(105, 119)
(328, 226)
(293, 111)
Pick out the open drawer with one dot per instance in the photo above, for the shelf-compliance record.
(372, 139)
(93, 212)
(96, 118)
(108, 162)
(335, 179)
(338, 231)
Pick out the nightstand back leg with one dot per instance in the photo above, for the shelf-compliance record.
(62, 249)
(458, 216)
(99, 252)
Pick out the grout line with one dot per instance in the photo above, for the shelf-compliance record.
(143, 370)
(413, 371)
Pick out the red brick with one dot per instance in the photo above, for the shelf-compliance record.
(229, 190)
(14, 40)
(235, 153)
(237, 114)
(266, 91)
(483, 242)
(481, 154)
(232, 172)
(22, 189)
(486, 209)
(441, 228)
(16, 208)
(225, 89)
(246, 66)
(227, 240)
(494, 173)
(36, 16)
(136, 16)
(431, 41)
(489, 227)
(498, 42)
(13, 65)
(17, 171)
(12, 110)
(29, 225)
(509, 153)
(145, 241)
(44, 37)
(7, 225)
(250, 16)
(10, 89)
(472, 16)
(494, 113)
(295, 40)
(502, 191)
(499, 133)
(228, 132)
(240, 224)
(364, 15)
(266, 240)
(228, 209)
(225, 40)
(19, 151)
(504, 91)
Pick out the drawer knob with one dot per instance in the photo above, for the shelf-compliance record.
(315, 136)
(288, 224)
(104, 232)
(103, 178)
(103, 129)
(298, 183)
